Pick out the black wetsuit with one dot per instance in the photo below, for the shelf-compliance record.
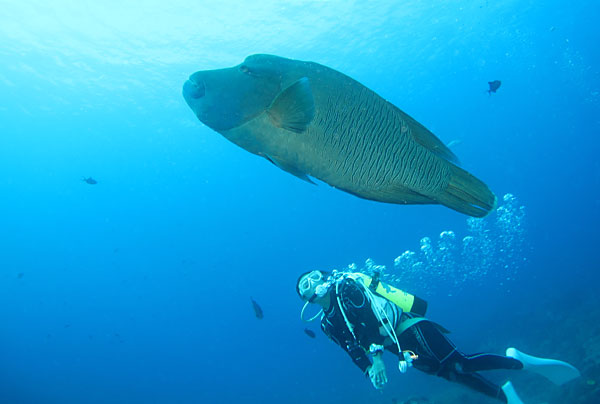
(437, 355)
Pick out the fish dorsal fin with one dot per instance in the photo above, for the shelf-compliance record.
(290, 168)
(428, 140)
(294, 108)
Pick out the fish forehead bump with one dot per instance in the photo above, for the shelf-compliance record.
(269, 60)
(285, 71)
(227, 98)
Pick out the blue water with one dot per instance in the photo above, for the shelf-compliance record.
(137, 289)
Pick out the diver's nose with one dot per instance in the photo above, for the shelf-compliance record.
(193, 89)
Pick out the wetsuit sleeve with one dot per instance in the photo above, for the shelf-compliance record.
(346, 341)
(358, 356)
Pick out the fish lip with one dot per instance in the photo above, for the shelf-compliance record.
(194, 89)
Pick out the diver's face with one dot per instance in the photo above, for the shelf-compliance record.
(309, 283)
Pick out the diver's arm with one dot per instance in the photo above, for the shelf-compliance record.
(346, 341)
(358, 356)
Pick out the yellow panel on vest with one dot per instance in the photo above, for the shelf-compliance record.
(397, 296)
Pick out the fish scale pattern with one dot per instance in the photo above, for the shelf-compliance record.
(364, 139)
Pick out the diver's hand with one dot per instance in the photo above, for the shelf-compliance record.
(409, 357)
(377, 372)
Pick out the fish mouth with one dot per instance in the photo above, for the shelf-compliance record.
(194, 90)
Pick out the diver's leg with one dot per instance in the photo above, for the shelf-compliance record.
(474, 381)
(475, 363)
(432, 341)
(428, 343)
(438, 355)
(479, 383)
(438, 346)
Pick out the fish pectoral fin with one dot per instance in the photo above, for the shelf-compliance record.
(453, 143)
(290, 168)
(425, 138)
(294, 108)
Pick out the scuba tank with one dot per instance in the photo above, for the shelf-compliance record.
(402, 299)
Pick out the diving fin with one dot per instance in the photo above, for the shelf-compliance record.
(558, 372)
(294, 108)
(511, 394)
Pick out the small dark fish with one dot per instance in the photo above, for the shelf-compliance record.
(257, 310)
(20, 275)
(310, 333)
(89, 180)
(494, 85)
(67, 325)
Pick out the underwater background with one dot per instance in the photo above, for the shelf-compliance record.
(137, 289)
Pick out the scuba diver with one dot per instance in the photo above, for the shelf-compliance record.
(365, 316)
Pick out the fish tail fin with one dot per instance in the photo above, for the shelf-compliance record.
(467, 194)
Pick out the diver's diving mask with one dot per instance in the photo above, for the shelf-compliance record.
(324, 285)
(307, 282)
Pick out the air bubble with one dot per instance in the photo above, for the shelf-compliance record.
(492, 251)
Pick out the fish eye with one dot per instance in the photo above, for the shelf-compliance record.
(250, 72)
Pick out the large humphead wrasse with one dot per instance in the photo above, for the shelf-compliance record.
(310, 120)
